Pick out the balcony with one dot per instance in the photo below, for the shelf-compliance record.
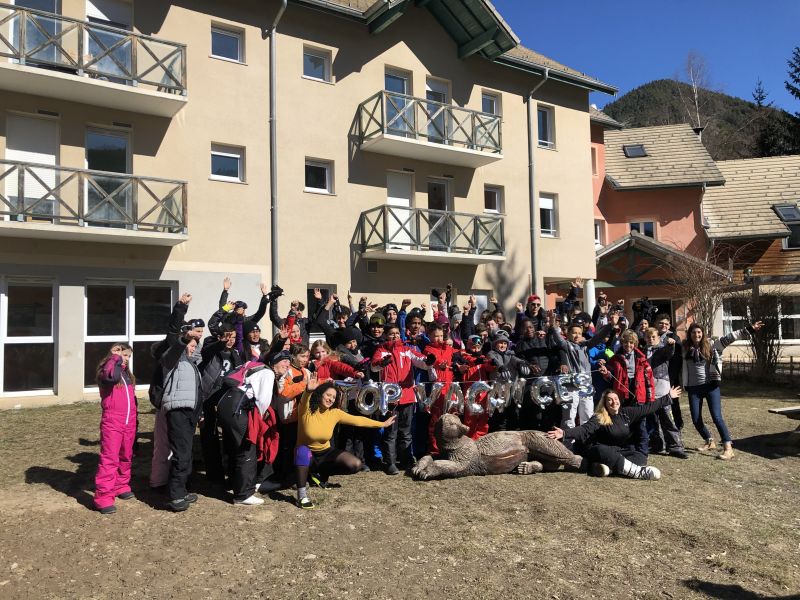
(400, 125)
(399, 233)
(58, 57)
(60, 203)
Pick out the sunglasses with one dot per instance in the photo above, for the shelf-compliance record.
(476, 340)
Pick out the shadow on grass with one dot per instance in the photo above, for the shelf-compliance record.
(76, 484)
(771, 445)
(730, 591)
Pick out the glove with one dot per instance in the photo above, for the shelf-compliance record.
(430, 359)
(298, 378)
(386, 360)
(523, 370)
(479, 360)
(504, 374)
(312, 367)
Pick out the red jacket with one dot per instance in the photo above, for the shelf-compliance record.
(476, 371)
(330, 368)
(401, 368)
(644, 384)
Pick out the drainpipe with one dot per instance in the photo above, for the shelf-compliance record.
(273, 151)
(531, 185)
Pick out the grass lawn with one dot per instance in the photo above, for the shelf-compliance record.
(708, 529)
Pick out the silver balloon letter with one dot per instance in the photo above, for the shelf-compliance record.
(472, 405)
(368, 398)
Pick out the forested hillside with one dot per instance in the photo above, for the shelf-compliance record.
(734, 128)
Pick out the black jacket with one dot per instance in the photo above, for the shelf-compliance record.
(216, 361)
(619, 432)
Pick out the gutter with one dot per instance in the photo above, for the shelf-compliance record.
(580, 81)
(531, 182)
(273, 149)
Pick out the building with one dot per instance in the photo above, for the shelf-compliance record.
(650, 211)
(402, 138)
(755, 217)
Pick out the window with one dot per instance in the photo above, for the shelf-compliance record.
(27, 350)
(490, 103)
(227, 163)
(493, 199)
(227, 44)
(646, 228)
(594, 161)
(790, 215)
(546, 133)
(598, 233)
(132, 312)
(736, 315)
(316, 64)
(548, 215)
(319, 177)
(634, 150)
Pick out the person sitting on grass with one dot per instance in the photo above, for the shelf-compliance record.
(317, 419)
(605, 438)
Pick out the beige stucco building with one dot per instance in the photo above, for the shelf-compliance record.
(135, 164)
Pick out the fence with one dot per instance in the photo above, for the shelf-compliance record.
(38, 38)
(787, 370)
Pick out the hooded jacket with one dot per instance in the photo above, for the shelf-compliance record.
(400, 368)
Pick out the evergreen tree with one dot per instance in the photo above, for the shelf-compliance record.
(793, 83)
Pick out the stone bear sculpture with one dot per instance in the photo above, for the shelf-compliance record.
(500, 452)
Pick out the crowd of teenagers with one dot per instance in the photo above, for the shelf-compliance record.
(270, 416)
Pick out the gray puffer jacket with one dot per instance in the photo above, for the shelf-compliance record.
(181, 378)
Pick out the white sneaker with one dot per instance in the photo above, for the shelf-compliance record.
(599, 470)
(251, 501)
(651, 473)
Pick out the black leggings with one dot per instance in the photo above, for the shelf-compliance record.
(614, 456)
(332, 461)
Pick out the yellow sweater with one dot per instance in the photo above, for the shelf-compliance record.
(316, 429)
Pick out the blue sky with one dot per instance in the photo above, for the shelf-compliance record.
(627, 43)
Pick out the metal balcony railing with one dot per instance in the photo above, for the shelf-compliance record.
(34, 37)
(84, 198)
(418, 229)
(417, 118)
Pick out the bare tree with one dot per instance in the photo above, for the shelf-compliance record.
(697, 76)
(701, 285)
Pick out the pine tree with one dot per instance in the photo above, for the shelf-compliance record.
(793, 83)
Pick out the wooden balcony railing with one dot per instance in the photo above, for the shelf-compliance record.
(435, 122)
(417, 229)
(34, 37)
(84, 198)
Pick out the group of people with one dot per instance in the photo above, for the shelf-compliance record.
(270, 416)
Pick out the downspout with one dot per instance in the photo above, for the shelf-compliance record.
(531, 184)
(273, 151)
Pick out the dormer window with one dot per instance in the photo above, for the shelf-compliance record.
(790, 215)
(634, 150)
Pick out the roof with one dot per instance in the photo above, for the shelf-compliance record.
(675, 158)
(752, 187)
(653, 247)
(475, 25)
(598, 116)
(526, 57)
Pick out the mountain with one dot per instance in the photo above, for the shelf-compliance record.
(734, 128)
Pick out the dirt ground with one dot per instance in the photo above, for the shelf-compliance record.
(708, 529)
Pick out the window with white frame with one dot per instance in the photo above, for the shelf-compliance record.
(319, 176)
(316, 64)
(126, 311)
(598, 233)
(493, 199)
(548, 215)
(790, 215)
(227, 44)
(490, 103)
(227, 163)
(546, 127)
(27, 348)
(646, 228)
(736, 315)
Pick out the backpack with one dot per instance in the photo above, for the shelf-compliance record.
(233, 410)
(156, 390)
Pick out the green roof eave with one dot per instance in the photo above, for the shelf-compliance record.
(556, 75)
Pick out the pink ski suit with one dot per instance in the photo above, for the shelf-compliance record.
(117, 432)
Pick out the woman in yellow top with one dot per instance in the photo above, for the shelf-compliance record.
(316, 420)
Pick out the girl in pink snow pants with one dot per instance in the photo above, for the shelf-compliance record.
(117, 429)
